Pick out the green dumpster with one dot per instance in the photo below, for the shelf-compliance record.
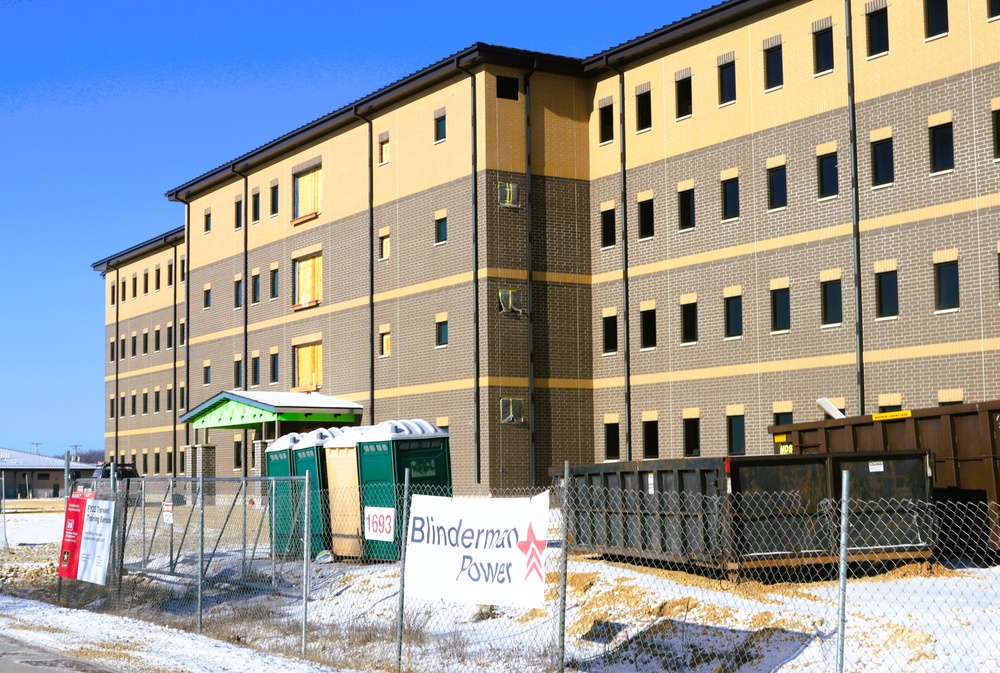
(307, 456)
(384, 454)
(284, 500)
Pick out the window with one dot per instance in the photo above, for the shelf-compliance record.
(994, 9)
(783, 418)
(736, 435)
(305, 193)
(156, 340)
(607, 228)
(826, 167)
(511, 410)
(383, 247)
(935, 18)
(509, 194)
(942, 148)
(643, 111)
(182, 398)
(882, 163)
(385, 347)
(122, 295)
(170, 399)
(255, 207)
(612, 441)
(156, 401)
(237, 454)
(208, 222)
(135, 347)
(507, 87)
(610, 327)
(682, 89)
(274, 199)
(441, 333)
(878, 32)
(607, 123)
(114, 293)
(307, 363)
(145, 463)
(121, 406)
(777, 188)
(832, 306)
(441, 230)
(121, 351)
(238, 293)
(145, 403)
(727, 83)
(730, 198)
(946, 286)
(145, 343)
(156, 463)
(685, 209)
(135, 287)
(255, 288)
(238, 215)
(886, 294)
(111, 408)
(182, 337)
(689, 322)
(383, 152)
(823, 50)
(156, 279)
(206, 375)
(734, 316)
(274, 283)
(650, 439)
(170, 274)
(111, 351)
(133, 404)
(255, 370)
(692, 437)
(773, 73)
(183, 270)
(274, 368)
(647, 328)
(238, 374)
(207, 298)
(145, 282)
(170, 337)
(646, 218)
(996, 126)
(307, 281)
(440, 128)
(781, 311)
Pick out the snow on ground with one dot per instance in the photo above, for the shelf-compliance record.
(36, 528)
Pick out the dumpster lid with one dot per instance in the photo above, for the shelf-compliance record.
(248, 409)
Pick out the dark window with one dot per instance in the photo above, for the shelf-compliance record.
(823, 50)
(207, 298)
(121, 407)
(683, 91)
(730, 198)
(736, 435)
(685, 209)
(607, 120)
(610, 325)
(878, 32)
(135, 287)
(935, 17)
(886, 408)
(133, 404)
(689, 322)
(145, 282)
(607, 228)
(255, 288)
(135, 346)
(827, 175)
(692, 437)
(156, 279)
(946, 285)
(783, 418)
(238, 215)
(237, 454)
(773, 72)
(882, 163)
(996, 127)
(507, 87)
(274, 367)
(647, 324)
(183, 334)
(145, 403)
(886, 294)
(183, 270)
(111, 351)
(156, 340)
(156, 401)
(777, 188)
(156, 463)
(238, 293)
(238, 374)
(182, 400)
(612, 441)
(170, 337)
(440, 128)
(650, 439)
(274, 199)
(734, 316)
(727, 83)
(121, 351)
(170, 274)
(646, 218)
(781, 310)
(208, 222)
(206, 375)
(114, 289)
(255, 207)
(441, 333)
(942, 148)
(832, 305)
(111, 408)
(255, 371)
(145, 343)
(993, 9)
(441, 230)
(170, 399)
(643, 111)
(274, 283)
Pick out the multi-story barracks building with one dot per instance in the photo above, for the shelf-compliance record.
(656, 251)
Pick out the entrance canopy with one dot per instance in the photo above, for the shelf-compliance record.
(244, 409)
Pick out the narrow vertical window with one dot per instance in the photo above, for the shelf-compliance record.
(440, 128)
(643, 111)
(207, 298)
(145, 282)
(996, 127)
(935, 18)
(827, 178)
(170, 337)
(156, 279)
(111, 351)
(831, 303)
(170, 399)
(685, 209)
(607, 123)
(608, 233)
(274, 367)
(255, 288)
(135, 286)
(238, 215)
(208, 222)
(727, 83)
(383, 152)
(692, 437)
(946, 286)
(238, 373)
(883, 172)
(823, 51)
(274, 283)
(612, 441)
(646, 218)
(274, 199)
(730, 198)
(736, 436)
(610, 328)
(734, 316)
(777, 188)
(774, 75)
(238, 293)
(385, 346)
(886, 294)
(689, 322)
(114, 293)
(878, 32)
(156, 340)
(255, 371)
(441, 333)
(682, 89)
(650, 439)
(255, 207)
(647, 328)
(384, 247)
(942, 148)
(441, 230)
(170, 274)
(993, 9)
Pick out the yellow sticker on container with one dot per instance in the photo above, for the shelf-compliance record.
(786, 449)
(891, 415)
(780, 438)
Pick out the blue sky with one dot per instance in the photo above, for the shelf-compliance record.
(104, 106)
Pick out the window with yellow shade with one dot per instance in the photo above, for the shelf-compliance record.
(305, 197)
(308, 363)
(307, 277)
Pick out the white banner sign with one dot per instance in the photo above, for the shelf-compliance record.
(95, 541)
(477, 550)
(380, 523)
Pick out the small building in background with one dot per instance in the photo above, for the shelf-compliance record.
(29, 475)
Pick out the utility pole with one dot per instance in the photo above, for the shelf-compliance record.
(36, 444)
(76, 450)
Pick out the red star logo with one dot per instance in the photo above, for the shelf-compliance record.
(533, 547)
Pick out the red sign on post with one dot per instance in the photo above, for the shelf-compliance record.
(86, 545)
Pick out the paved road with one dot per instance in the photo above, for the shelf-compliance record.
(17, 657)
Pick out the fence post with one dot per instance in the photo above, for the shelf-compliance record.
(243, 559)
(563, 566)
(270, 510)
(402, 570)
(170, 491)
(142, 505)
(201, 544)
(306, 554)
(845, 497)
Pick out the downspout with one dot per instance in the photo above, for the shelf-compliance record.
(371, 270)
(244, 364)
(173, 388)
(477, 430)
(859, 340)
(187, 320)
(529, 233)
(624, 237)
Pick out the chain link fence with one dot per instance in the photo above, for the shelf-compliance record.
(671, 582)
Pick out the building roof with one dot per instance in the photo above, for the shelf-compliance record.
(11, 459)
(167, 240)
(248, 409)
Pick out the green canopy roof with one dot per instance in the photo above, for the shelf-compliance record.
(241, 409)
